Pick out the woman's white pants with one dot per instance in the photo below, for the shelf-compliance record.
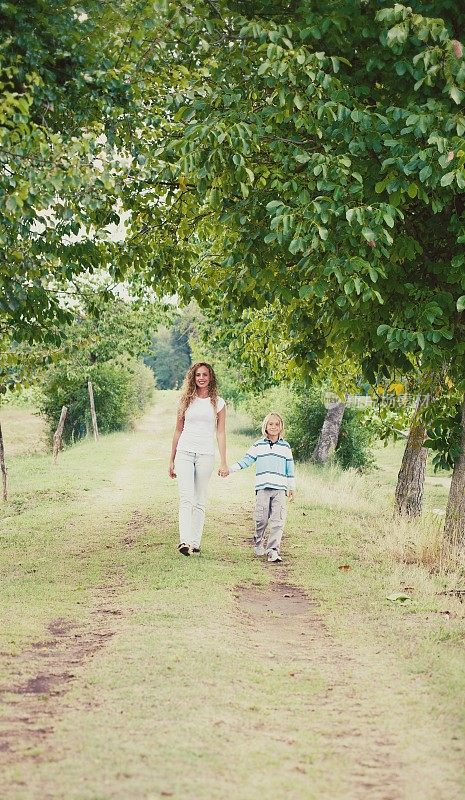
(193, 471)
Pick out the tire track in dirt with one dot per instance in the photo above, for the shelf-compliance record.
(353, 716)
(35, 696)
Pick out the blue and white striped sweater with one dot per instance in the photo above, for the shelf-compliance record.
(275, 464)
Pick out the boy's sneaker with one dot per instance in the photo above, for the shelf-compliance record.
(195, 550)
(184, 549)
(274, 557)
(259, 550)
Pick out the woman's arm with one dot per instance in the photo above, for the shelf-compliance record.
(177, 433)
(221, 438)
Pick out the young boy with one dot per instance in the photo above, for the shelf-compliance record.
(273, 481)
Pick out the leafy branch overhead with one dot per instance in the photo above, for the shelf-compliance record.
(310, 161)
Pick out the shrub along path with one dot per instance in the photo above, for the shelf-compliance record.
(128, 672)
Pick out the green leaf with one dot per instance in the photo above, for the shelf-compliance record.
(305, 291)
(461, 303)
(299, 102)
(460, 177)
(296, 246)
(447, 179)
(389, 219)
(456, 94)
(399, 597)
(11, 203)
(368, 234)
(425, 173)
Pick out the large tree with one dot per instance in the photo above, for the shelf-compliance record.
(316, 160)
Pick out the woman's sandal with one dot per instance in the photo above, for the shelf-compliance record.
(184, 548)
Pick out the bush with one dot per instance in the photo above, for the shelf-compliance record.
(277, 398)
(121, 392)
(304, 412)
(30, 397)
(355, 442)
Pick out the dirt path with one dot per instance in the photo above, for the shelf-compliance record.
(362, 715)
(43, 674)
(243, 677)
(295, 634)
(35, 697)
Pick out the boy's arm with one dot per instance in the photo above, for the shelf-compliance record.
(290, 474)
(249, 458)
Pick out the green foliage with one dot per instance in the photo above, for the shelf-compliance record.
(29, 397)
(390, 417)
(311, 168)
(102, 344)
(354, 448)
(304, 412)
(122, 391)
(231, 381)
(315, 172)
(72, 79)
(282, 399)
(443, 421)
(169, 356)
(355, 437)
(168, 364)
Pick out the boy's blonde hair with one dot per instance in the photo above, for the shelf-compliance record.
(267, 419)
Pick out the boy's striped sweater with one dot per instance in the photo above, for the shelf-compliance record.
(275, 464)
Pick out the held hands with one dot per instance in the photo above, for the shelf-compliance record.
(290, 494)
(171, 471)
(223, 471)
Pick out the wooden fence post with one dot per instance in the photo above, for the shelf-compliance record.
(92, 409)
(3, 466)
(58, 434)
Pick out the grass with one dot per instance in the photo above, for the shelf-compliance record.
(184, 700)
(383, 557)
(23, 431)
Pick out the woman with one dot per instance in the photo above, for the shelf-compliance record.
(201, 415)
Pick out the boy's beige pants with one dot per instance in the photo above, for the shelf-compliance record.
(270, 507)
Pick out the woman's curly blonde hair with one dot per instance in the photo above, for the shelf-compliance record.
(189, 389)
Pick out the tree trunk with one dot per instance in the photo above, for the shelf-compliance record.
(329, 434)
(92, 409)
(411, 478)
(58, 434)
(3, 466)
(454, 529)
